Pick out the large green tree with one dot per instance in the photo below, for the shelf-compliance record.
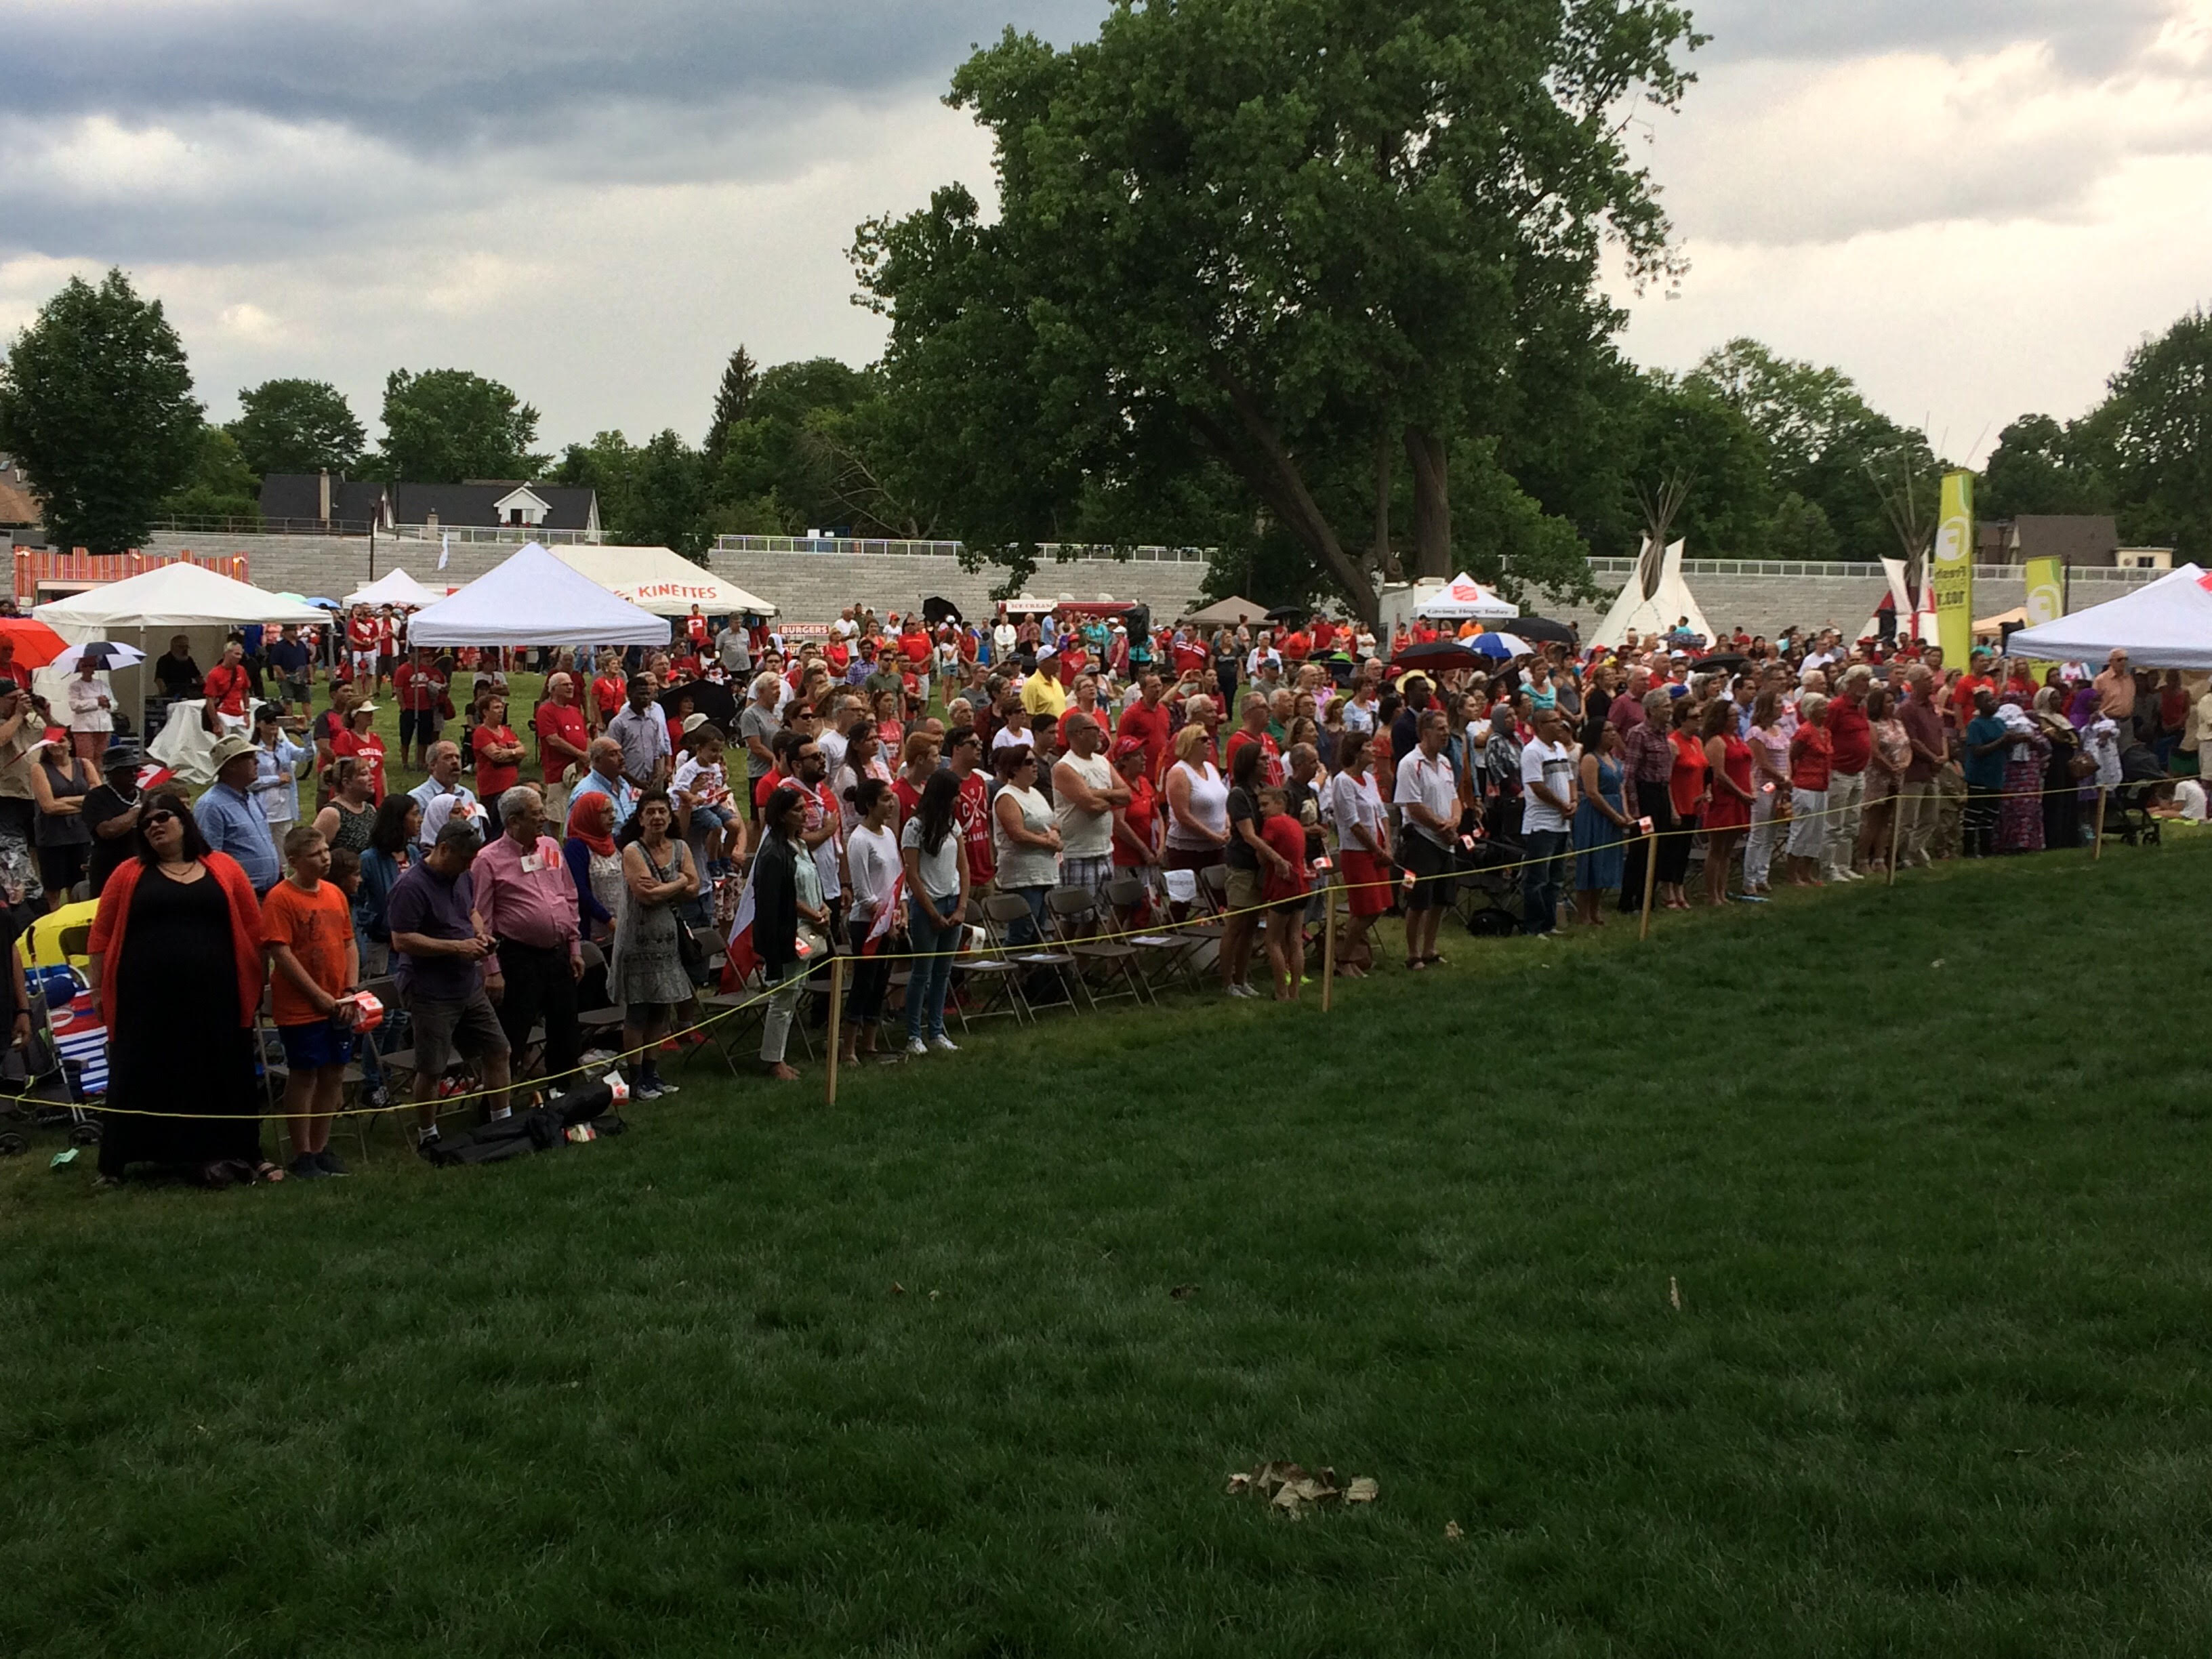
(2041, 466)
(96, 405)
(297, 426)
(446, 425)
(733, 400)
(1307, 243)
(2154, 439)
(220, 485)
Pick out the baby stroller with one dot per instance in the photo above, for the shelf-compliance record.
(1487, 894)
(2142, 778)
(45, 1085)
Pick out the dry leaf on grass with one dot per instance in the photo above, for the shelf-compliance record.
(1182, 1292)
(1293, 1489)
(1452, 1531)
(1674, 1294)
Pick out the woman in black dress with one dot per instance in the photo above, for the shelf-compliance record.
(177, 973)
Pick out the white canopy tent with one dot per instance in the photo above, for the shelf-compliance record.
(182, 598)
(1464, 598)
(397, 587)
(2165, 624)
(534, 599)
(1653, 600)
(662, 580)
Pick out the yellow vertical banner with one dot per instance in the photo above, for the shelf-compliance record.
(1951, 580)
(2046, 598)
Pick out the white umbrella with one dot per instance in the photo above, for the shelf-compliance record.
(104, 653)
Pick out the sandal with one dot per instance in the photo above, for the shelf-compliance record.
(1415, 964)
(1434, 961)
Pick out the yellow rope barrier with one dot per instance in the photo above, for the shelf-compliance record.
(1166, 926)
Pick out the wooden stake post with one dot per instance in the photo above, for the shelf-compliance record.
(1650, 878)
(1896, 824)
(2099, 854)
(836, 1019)
(1327, 938)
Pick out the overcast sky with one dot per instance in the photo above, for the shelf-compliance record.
(1974, 206)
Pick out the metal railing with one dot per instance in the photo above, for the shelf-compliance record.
(1052, 552)
(513, 535)
(1842, 571)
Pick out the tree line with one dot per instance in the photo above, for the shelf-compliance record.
(1316, 287)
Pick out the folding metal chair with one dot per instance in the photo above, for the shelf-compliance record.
(1002, 912)
(1129, 901)
(1072, 913)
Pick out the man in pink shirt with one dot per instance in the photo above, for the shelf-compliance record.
(526, 901)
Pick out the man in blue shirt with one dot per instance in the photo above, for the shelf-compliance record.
(1982, 761)
(605, 778)
(289, 656)
(232, 820)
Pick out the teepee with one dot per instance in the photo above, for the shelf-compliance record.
(1653, 600)
(1914, 621)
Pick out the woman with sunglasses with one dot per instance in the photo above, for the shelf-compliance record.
(176, 971)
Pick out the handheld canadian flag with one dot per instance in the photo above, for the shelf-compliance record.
(740, 959)
(886, 915)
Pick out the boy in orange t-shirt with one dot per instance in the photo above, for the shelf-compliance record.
(306, 927)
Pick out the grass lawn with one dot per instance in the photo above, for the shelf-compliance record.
(1929, 1167)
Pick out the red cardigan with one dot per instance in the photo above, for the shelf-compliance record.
(108, 926)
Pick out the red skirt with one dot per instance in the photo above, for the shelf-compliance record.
(1368, 879)
(1725, 812)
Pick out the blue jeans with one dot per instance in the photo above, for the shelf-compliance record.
(932, 974)
(1541, 882)
(1021, 935)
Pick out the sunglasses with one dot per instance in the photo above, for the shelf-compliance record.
(159, 815)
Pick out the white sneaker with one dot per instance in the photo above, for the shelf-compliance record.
(1240, 989)
(916, 1047)
(596, 1057)
(943, 1044)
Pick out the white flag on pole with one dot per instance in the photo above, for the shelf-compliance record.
(445, 548)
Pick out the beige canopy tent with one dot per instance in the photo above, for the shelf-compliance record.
(662, 580)
(1227, 613)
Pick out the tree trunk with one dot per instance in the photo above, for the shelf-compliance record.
(1432, 548)
(1262, 463)
(1379, 557)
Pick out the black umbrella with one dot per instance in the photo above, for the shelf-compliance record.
(1541, 631)
(1721, 662)
(1439, 656)
(1290, 613)
(714, 701)
(938, 611)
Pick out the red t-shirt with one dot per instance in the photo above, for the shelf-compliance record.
(1288, 836)
(1688, 781)
(1148, 724)
(1142, 811)
(1098, 718)
(972, 812)
(765, 787)
(360, 634)
(915, 648)
(420, 690)
(696, 628)
(609, 695)
(494, 778)
(1962, 696)
(1324, 636)
(566, 722)
(1810, 755)
(1271, 769)
(228, 688)
(1851, 735)
(1295, 647)
(839, 656)
(908, 797)
(368, 751)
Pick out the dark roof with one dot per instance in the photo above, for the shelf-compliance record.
(568, 507)
(298, 496)
(2087, 539)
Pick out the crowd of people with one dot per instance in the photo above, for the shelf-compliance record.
(914, 805)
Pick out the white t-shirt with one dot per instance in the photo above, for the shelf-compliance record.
(871, 858)
(1359, 717)
(939, 870)
(706, 784)
(1551, 765)
(1356, 801)
(1430, 783)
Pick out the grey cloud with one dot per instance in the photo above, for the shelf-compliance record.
(2091, 39)
(429, 76)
